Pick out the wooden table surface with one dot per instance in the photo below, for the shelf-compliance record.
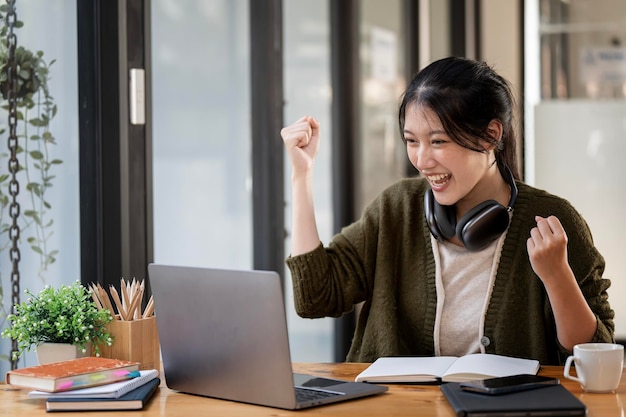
(400, 400)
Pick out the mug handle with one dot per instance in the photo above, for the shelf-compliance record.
(566, 374)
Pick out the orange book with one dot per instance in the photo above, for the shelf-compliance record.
(73, 374)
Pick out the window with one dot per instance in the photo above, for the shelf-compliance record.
(576, 118)
(201, 146)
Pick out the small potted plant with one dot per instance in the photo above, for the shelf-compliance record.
(67, 315)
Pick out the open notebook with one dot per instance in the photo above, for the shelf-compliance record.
(223, 334)
(445, 368)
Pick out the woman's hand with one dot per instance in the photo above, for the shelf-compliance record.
(302, 143)
(547, 249)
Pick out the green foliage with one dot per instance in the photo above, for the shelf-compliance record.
(65, 315)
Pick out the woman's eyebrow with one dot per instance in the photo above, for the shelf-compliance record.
(437, 132)
(431, 133)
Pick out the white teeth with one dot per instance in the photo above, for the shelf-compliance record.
(438, 179)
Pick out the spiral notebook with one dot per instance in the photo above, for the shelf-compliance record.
(113, 390)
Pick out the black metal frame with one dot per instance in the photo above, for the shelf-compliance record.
(460, 31)
(99, 166)
(411, 52)
(522, 87)
(458, 28)
(266, 72)
(115, 169)
(345, 80)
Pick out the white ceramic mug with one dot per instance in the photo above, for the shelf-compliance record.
(598, 366)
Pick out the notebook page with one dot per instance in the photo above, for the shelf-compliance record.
(406, 369)
(484, 365)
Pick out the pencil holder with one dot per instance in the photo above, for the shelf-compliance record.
(134, 340)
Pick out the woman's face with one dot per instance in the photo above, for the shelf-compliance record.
(456, 174)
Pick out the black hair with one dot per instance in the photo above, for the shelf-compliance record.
(466, 95)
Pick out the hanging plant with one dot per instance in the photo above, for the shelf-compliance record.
(30, 140)
(35, 111)
(30, 69)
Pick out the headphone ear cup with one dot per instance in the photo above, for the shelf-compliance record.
(430, 207)
(444, 217)
(482, 225)
(430, 216)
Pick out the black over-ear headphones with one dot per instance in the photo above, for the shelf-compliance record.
(478, 227)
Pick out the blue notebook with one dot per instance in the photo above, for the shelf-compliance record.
(553, 400)
(133, 400)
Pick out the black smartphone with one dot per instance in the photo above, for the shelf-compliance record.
(506, 384)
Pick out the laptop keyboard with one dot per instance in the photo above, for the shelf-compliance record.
(307, 394)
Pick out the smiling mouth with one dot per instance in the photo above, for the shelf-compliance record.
(438, 180)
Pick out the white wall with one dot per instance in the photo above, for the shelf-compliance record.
(580, 147)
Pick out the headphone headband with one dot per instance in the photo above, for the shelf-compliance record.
(510, 180)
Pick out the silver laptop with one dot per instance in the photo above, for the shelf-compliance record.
(223, 334)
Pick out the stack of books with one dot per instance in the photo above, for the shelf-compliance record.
(88, 384)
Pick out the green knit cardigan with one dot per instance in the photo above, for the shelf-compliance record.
(385, 260)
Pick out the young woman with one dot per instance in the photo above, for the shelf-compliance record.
(466, 258)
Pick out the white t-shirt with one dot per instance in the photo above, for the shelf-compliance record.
(464, 280)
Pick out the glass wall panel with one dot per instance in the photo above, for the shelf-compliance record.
(382, 159)
(49, 223)
(583, 49)
(576, 119)
(201, 133)
(306, 37)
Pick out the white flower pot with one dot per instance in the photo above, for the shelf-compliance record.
(57, 352)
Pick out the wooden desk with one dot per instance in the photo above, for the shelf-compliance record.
(400, 400)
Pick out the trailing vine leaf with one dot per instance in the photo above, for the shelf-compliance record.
(36, 155)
